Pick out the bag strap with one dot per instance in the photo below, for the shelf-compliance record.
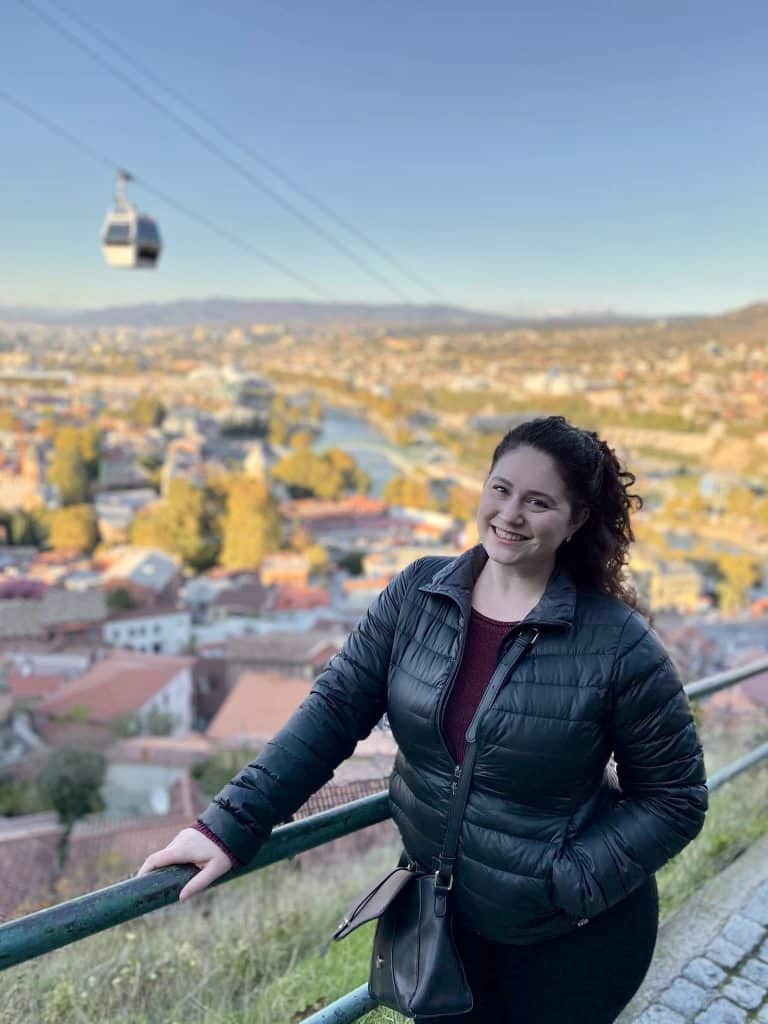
(462, 780)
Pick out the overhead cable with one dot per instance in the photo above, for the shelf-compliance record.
(269, 165)
(225, 233)
(216, 150)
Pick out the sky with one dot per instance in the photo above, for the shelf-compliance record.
(520, 157)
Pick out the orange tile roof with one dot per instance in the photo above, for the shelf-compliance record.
(168, 750)
(119, 684)
(291, 597)
(260, 703)
(35, 684)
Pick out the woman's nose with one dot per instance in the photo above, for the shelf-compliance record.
(512, 512)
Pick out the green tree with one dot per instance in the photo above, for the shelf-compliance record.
(90, 448)
(146, 411)
(318, 558)
(739, 574)
(211, 775)
(251, 527)
(179, 524)
(20, 798)
(74, 528)
(352, 562)
(329, 476)
(411, 492)
(278, 432)
(69, 473)
(120, 600)
(71, 782)
(28, 527)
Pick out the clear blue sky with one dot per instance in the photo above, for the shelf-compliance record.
(519, 155)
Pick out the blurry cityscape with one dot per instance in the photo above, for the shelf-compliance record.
(193, 517)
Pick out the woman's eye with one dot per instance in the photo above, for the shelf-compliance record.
(540, 502)
(499, 487)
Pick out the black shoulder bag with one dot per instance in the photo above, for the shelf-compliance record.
(415, 966)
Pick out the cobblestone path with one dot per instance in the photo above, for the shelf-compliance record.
(727, 983)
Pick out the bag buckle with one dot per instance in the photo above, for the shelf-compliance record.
(439, 885)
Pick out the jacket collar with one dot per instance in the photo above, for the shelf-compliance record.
(556, 607)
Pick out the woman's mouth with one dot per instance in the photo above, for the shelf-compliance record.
(508, 536)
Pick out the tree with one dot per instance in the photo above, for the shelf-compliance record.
(69, 473)
(318, 558)
(251, 527)
(146, 411)
(411, 492)
(278, 432)
(739, 574)
(120, 600)
(71, 781)
(179, 524)
(29, 527)
(211, 775)
(74, 528)
(352, 562)
(329, 476)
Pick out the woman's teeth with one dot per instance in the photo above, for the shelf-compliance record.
(505, 535)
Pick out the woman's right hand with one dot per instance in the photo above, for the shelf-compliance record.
(190, 847)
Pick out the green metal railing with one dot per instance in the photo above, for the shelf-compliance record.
(49, 929)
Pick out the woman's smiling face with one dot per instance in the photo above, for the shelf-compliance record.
(525, 513)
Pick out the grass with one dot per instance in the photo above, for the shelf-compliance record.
(249, 952)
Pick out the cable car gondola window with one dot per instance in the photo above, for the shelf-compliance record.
(148, 233)
(118, 234)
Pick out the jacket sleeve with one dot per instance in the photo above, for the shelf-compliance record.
(346, 701)
(661, 770)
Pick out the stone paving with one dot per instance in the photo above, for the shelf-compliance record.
(728, 983)
(711, 965)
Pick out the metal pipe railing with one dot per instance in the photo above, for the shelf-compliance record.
(722, 680)
(49, 929)
(67, 922)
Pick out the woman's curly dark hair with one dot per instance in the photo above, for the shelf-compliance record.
(594, 480)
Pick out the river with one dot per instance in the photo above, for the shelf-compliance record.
(342, 429)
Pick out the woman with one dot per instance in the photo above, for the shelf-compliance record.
(554, 898)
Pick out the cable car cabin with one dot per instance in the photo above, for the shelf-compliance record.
(129, 238)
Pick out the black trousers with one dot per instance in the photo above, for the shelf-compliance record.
(584, 977)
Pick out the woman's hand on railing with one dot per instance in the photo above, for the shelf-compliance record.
(190, 847)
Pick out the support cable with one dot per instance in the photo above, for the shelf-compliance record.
(269, 165)
(224, 233)
(216, 150)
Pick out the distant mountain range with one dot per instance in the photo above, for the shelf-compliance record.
(186, 313)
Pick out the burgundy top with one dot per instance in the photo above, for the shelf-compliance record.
(484, 639)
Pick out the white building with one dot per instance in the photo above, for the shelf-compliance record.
(154, 632)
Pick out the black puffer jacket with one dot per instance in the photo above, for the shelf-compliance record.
(547, 840)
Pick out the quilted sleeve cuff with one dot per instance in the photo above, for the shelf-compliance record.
(215, 839)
